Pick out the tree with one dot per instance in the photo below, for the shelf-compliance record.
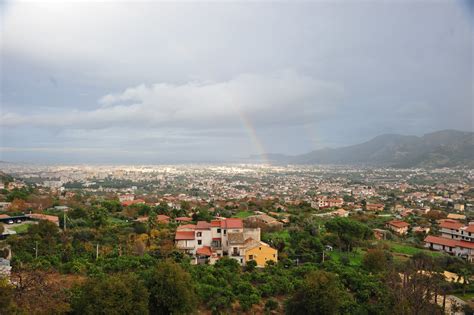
(350, 232)
(376, 260)
(320, 293)
(7, 304)
(115, 294)
(171, 290)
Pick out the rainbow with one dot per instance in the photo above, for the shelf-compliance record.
(252, 134)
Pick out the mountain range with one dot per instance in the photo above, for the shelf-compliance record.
(446, 148)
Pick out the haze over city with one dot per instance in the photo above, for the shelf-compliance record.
(172, 82)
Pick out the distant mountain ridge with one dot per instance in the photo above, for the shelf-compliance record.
(446, 148)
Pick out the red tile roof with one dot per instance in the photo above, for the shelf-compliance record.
(203, 225)
(470, 228)
(232, 223)
(451, 224)
(448, 242)
(204, 251)
(39, 216)
(187, 226)
(183, 219)
(4, 216)
(216, 223)
(398, 224)
(184, 235)
(162, 218)
(127, 203)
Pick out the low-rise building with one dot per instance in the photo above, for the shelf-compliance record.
(397, 226)
(206, 242)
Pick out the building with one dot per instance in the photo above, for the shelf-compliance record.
(126, 197)
(40, 216)
(264, 219)
(455, 230)
(459, 207)
(374, 207)
(458, 248)
(397, 226)
(207, 242)
(456, 239)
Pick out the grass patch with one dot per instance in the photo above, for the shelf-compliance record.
(243, 214)
(22, 228)
(116, 221)
(465, 297)
(355, 257)
(411, 250)
(283, 234)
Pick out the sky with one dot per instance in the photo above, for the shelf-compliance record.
(163, 82)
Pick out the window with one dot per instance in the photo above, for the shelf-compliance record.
(225, 232)
(199, 234)
(250, 257)
(218, 230)
(199, 242)
(274, 256)
(259, 248)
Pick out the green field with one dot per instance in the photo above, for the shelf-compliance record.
(283, 234)
(243, 214)
(22, 228)
(466, 297)
(355, 257)
(410, 250)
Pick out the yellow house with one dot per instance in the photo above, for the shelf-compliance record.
(260, 252)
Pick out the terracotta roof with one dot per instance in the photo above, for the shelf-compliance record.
(184, 235)
(440, 241)
(398, 224)
(187, 227)
(203, 225)
(183, 219)
(448, 242)
(451, 224)
(39, 216)
(204, 251)
(470, 228)
(4, 216)
(162, 218)
(232, 223)
(127, 203)
(216, 223)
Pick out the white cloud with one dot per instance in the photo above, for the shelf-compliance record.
(266, 98)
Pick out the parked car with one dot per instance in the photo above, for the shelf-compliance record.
(10, 222)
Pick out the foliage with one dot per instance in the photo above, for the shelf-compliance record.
(320, 293)
(114, 294)
(171, 289)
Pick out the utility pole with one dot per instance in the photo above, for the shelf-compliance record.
(97, 252)
(323, 256)
(65, 220)
(36, 249)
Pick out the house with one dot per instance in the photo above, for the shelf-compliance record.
(419, 229)
(456, 230)
(181, 220)
(340, 213)
(397, 226)
(455, 216)
(40, 216)
(161, 218)
(374, 207)
(264, 219)
(126, 197)
(260, 252)
(127, 203)
(380, 234)
(207, 242)
(459, 248)
(459, 207)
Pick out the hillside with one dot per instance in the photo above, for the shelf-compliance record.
(438, 149)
